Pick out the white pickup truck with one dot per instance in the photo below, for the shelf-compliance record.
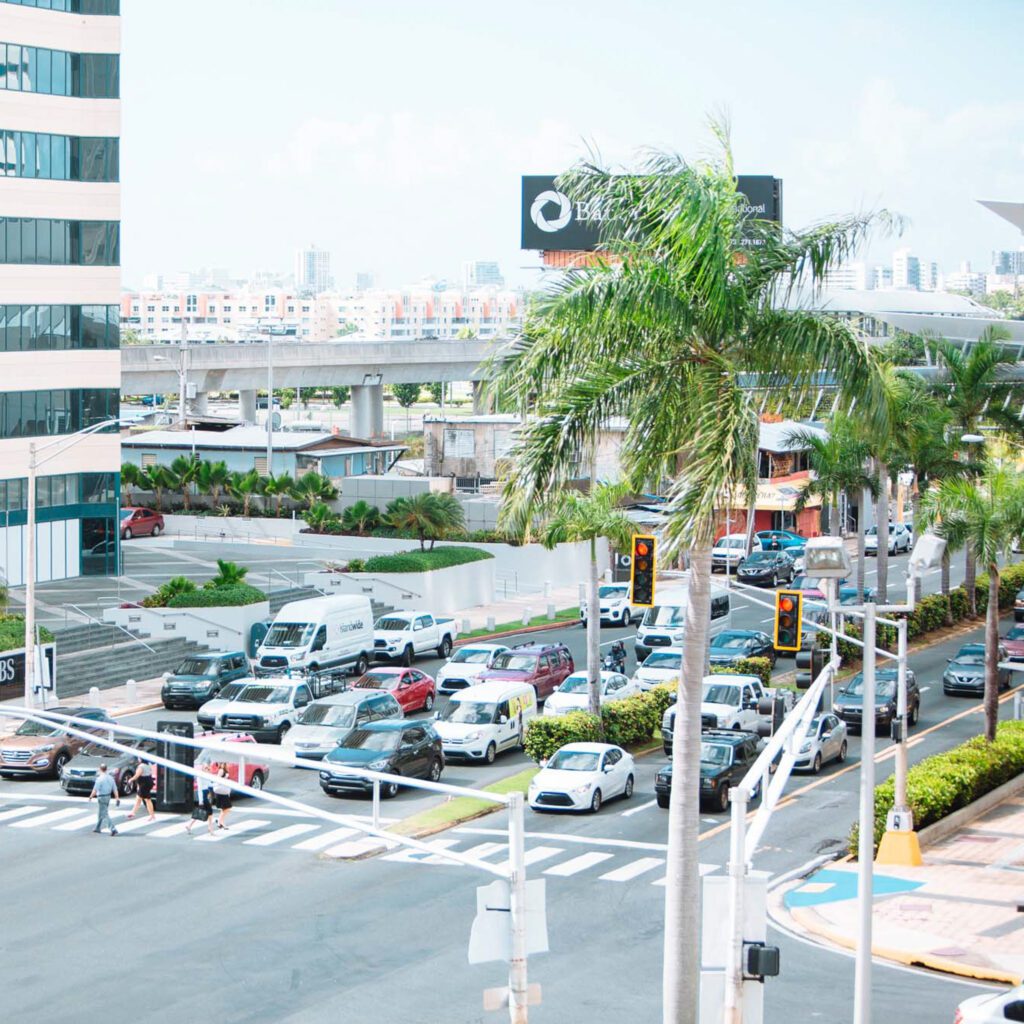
(402, 636)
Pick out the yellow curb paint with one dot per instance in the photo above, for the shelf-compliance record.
(900, 849)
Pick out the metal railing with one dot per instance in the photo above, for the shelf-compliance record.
(115, 625)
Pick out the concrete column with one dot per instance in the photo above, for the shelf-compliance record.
(367, 410)
(247, 406)
(481, 405)
(200, 404)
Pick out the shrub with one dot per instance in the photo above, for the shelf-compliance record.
(357, 565)
(166, 592)
(544, 735)
(12, 633)
(425, 561)
(942, 784)
(232, 595)
(630, 721)
(760, 667)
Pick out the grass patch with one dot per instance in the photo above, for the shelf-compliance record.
(462, 808)
(563, 616)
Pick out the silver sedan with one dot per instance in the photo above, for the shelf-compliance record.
(826, 742)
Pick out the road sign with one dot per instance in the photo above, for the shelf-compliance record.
(12, 671)
(491, 936)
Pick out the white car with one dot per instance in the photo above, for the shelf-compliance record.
(659, 667)
(463, 668)
(613, 600)
(826, 742)
(730, 550)
(901, 538)
(573, 694)
(264, 708)
(581, 776)
(992, 1007)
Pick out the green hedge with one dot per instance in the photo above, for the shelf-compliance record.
(219, 597)
(761, 667)
(942, 784)
(12, 633)
(425, 561)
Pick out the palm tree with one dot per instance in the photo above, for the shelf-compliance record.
(577, 517)
(689, 299)
(360, 518)
(185, 470)
(278, 487)
(212, 478)
(244, 487)
(229, 574)
(320, 518)
(158, 479)
(131, 476)
(985, 514)
(312, 487)
(428, 515)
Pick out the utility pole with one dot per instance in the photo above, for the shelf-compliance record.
(30, 580)
(182, 371)
(270, 403)
(517, 978)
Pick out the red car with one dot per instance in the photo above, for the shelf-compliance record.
(1014, 643)
(412, 688)
(140, 522)
(256, 771)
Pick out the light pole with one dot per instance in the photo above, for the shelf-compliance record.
(34, 462)
(182, 371)
(270, 402)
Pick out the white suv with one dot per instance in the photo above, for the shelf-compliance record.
(264, 708)
(613, 601)
(901, 538)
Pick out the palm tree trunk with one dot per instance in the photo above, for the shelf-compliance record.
(593, 636)
(992, 654)
(970, 580)
(833, 515)
(882, 525)
(681, 967)
(185, 496)
(861, 510)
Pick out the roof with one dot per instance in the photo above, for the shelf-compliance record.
(593, 748)
(1012, 212)
(251, 439)
(773, 437)
(894, 300)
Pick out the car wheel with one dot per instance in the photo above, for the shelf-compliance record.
(435, 770)
(490, 753)
(389, 790)
(156, 530)
(627, 617)
(723, 797)
(126, 534)
(58, 763)
(283, 731)
(842, 752)
(126, 787)
(362, 664)
(257, 781)
(915, 714)
(775, 580)
(595, 802)
(628, 791)
(816, 767)
(429, 702)
(445, 647)
(662, 801)
(406, 658)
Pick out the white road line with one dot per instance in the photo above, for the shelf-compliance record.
(168, 830)
(325, 839)
(925, 689)
(409, 855)
(137, 824)
(480, 851)
(368, 844)
(637, 810)
(577, 864)
(17, 812)
(86, 820)
(46, 819)
(633, 869)
(705, 869)
(219, 834)
(627, 844)
(281, 834)
(535, 854)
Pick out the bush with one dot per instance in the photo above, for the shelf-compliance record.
(230, 596)
(942, 784)
(12, 633)
(425, 561)
(544, 735)
(356, 565)
(631, 721)
(166, 592)
(760, 667)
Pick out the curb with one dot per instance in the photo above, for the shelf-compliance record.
(483, 637)
(136, 709)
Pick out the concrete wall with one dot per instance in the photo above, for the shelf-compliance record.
(232, 527)
(381, 490)
(217, 628)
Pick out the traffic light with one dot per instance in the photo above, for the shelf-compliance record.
(641, 581)
(789, 606)
(810, 663)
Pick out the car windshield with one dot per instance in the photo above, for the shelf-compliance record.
(603, 592)
(1017, 633)
(468, 712)
(761, 556)
(715, 753)
(377, 681)
(969, 659)
(884, 688)
(576, 683)
(665, 615)
(126, 514)
(719, 693)
(516, 662)
(337, 716)
(731, 641)
(35, 729)
(266, 695)
(661, 659)
(289, 634)
(575, 761)
(392, 624)
(370, 739)
(208, 757)
(732, 542)
(195, 667)
(232, 691)
(471, 656)
(99, 749)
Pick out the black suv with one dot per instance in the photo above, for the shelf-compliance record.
(395, 746)
(725, 757)
(768, 567)
(849, 702)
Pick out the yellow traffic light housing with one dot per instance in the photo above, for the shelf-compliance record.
(642, 569)
(789, 606)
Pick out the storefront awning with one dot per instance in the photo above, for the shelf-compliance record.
(775, 497)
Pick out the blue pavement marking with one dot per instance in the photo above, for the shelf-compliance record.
(828, 886)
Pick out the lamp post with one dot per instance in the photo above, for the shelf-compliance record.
(270, 402)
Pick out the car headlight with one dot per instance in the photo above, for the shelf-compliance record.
(378, 766)
(723, 719)
(296, 657)
(805, 748)
(707, 783)
(46, 749)
(325, 775)
(678, 636)
(581, 790)
(470, 737)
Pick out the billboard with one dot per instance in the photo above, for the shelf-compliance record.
(12, 672)
(551, 221)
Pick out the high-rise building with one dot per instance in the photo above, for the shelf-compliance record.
(60, 371)
(482, 274)
(1008, 261)
(849, 275)
(906, 270)
(312, 270)
(965, 280)
(881, 277)
(365, 280)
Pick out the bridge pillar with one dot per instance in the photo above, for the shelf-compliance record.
(200, 404)
(481, 404)
(247, 406)
(367, 410)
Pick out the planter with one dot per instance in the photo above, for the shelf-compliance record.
(220, 629)
(230, 528)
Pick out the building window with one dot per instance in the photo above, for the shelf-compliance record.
(60, 73)
(40, 240)
(62, 411)
(260, 464)
(148, 460)
(58, 328)
(58, 157)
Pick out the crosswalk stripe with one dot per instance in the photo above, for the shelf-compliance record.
(17, 812)
(175, 829)
(281, 834)
(325, 839)
(46, 819)
(408, 855)
(480, 851)
(86, 820)
(139, 823)
(632, 870)
(356, 847)
(232, 830)
(577, 864)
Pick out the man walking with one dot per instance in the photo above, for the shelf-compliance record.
(104, 788)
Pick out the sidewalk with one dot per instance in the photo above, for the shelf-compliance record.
(957, 913)
(114, 700)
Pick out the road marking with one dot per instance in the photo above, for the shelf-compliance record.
(368, 844)
(539, 853)
(232, 830)
(326, 839)
(577, 864)
(637, 810)
(86, 820)
(633, 869)
(627, 844)
(17, 812)
(925, 689)
(136, 824)
(176, 829)
(46, 819)
(410, 855)
(281, 834)
(480, 851)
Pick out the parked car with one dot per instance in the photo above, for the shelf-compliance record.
(965, 673)
(730, 549)
(414, 690)
(769, 568)
(900, 539)
(613, 600)
(200, 677)
(39, 749)
(257, 772)
(140, 522)
(327, 722)
(266, 708)
(574, 693)
(465, 665)
(479, 722)
(849, 595)
(659, 667)
(1018, 606)
(735, 644)
(395, 747)
(1014, 643)
(402, 636)
(849, 700)
(725, 757)
(543, 666)
(825, 742)
(153, 400)
(78, 776)
(581, 776)
(992, 1007)
(782, 540)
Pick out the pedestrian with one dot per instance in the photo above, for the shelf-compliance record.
(203, 810)
(143, 779)
(103, 789)
(222, 795)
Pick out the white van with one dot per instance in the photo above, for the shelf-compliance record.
(664, 623)
(321, 633)
(485, 718)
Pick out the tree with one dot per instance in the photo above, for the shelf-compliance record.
(436, 392)
(406, 394)
(212, 478)
(428, 515)
(340, 394)
(131, 476)
(158, 479)
(312, 487)
(286, 397)
(576, 517)
(360, 518)
(244, 487)
(278, 487)
(984, 514)
(687, 299)
(229, 574)
(319, 518)
(185, 469)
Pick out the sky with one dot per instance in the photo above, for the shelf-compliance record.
(395, 133)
